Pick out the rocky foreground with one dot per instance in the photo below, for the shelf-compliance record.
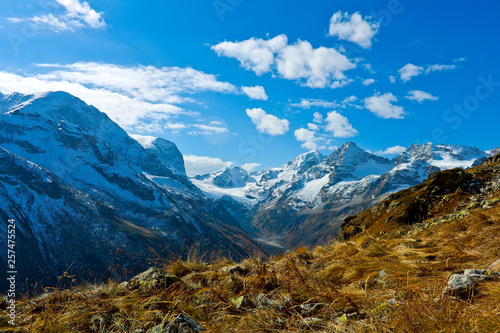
(423, 260)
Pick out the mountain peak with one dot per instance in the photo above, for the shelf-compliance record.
(169, 155)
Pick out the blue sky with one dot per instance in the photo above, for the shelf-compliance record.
(258, 82)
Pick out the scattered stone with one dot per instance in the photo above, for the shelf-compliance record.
(181, 324)
(308, 309)
(473, 205)
(232, 284)
(242, 302)
(393, 206)
(462, 285)
(151, 279)
(239, 271)
(382, 274)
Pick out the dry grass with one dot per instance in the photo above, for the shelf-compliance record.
(381, 280)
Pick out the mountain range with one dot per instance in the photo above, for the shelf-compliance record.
(90, 199)
(305, 201)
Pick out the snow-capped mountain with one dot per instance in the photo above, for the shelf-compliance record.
(305, 200)
(494, 151)
(70, 175)
(169, 155)
(226, 177)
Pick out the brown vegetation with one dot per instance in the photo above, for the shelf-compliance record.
(387, 274)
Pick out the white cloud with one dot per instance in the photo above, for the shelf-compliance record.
(77, 15)
(141, 99)
(308, 137)
(313, 127)
(381, 105)
(369, 68)
(254, 54)
(201, 165)
(267, 123)
(315, 68)
(439, 68)
(367, 82)
(144, 140)
(409, 71)
(318, 118)
(460, 59)
(391, 151)
(256, 92)
(420, 96)
(307, 103)
(209, 129)
(392, 79)
(354, 28)
(319, 67)
(249, 167)
(339, 125)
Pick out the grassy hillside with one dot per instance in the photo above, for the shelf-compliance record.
(385, 273)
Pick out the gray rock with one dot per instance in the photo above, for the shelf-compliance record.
(181, 324)
(462, 285)
(459, 285)
(152, 278)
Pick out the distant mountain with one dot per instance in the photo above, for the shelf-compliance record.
(305, 201)
(87, 195)
(226, 177)
(494, 151)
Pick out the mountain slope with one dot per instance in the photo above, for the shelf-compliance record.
(305, 201)
(432, 272)
(92, 155)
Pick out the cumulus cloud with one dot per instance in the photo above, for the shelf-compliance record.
(76, 15)
(409, 71)
(254, 54)
(354, 28)
(308, 137)
(312, 67)
(267, 123)
(420, 96)
(318, 118)
(381, 105)
(396, 150)
(313, 127)
(367, 82)
(392, 79)
(256, 92)
(339, 125)
(201, 165)
(249, 167)
(141, 99)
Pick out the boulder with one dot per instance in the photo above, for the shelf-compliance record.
(462, 285)
(153, 278)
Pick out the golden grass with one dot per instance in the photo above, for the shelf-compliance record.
(335, 288)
